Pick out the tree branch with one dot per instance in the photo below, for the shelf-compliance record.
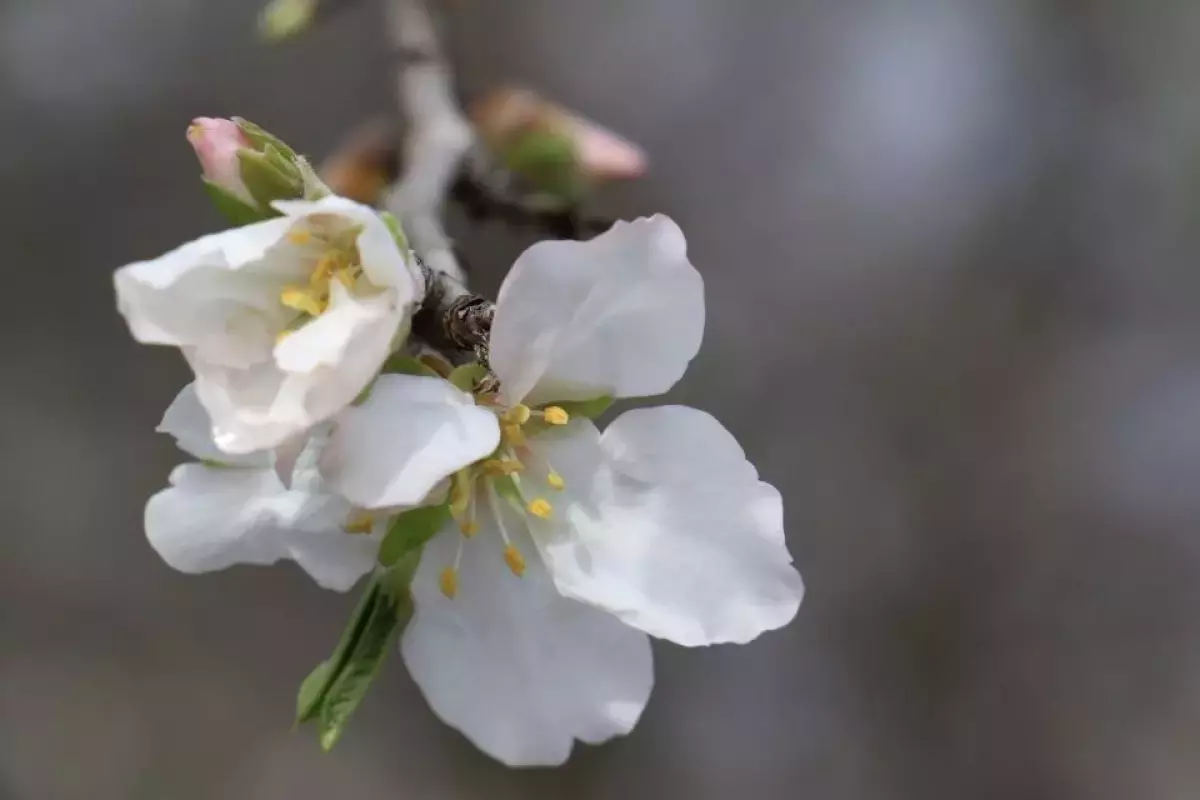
(438, 137)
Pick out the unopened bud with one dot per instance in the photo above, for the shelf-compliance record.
(246, 169)
(514, 120)
(217, 142)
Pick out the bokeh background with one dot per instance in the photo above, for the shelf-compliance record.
(951, 258)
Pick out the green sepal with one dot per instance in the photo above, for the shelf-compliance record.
(237, 211)
(410, 530)
(261, 139)
(265, 180)
(401, 364)
(397, 231)
(550, 162)
(468, 376)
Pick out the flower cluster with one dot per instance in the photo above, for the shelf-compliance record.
(558, 548)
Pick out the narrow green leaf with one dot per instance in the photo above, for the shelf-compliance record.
(237, 211)
(411, 530)
(312, 691)
(467, 376)
(401, 364)
(587, 409)
(316, 686)
(382, 622)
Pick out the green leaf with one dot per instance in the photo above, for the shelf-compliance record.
(467, 376)
(312, 691)
(411, 530)
(587, 409)
(400, 364)
(382, 620)
(234, 209)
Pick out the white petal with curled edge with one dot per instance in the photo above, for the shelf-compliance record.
(619, 315)
(211, 518)
(410, 434)
(189, 423)
(686, 543)
(519, 669)
(207, 294)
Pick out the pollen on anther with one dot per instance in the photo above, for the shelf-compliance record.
(514, 560)
(300, 300)
(359, 523)
(556, 415)
(514, 436)
(555, 481)
(300, 237)
(469, 528)
(518, 414)
(540, 508)
(448, 582)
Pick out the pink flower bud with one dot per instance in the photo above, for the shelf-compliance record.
(216, 142)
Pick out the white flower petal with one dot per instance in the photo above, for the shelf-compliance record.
(520, 670)
(201, 295)
(621, 315)
(410, 434)
(321, 369)
(211, 518)
(189, 423)
(683, 542)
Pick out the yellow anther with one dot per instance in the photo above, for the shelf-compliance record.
(556, 415)
(499, 467)
(514, 560)
(514, 436)
(359, 523)
(518, 414)
(301, 300)
(469, 528)
(300, 237)
(540, 508)
(448, 582)
(555, 481)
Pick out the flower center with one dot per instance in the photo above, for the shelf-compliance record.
(506, 478)
(338, 260)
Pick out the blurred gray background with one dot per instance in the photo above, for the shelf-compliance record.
(951, 258)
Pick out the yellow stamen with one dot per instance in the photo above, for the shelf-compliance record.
(301, 300)
(514, 560)
(283, 334)
(540, 508)
(359, 523)
(460, 493)
(448, 582)
(555, 481)
(300, 237)
(518, 414)
(499, 467)
(468, 527)
(514, 436)
(556, 415)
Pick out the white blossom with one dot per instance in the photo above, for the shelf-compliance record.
(561, 533)
(284, 322)
(226, 510)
